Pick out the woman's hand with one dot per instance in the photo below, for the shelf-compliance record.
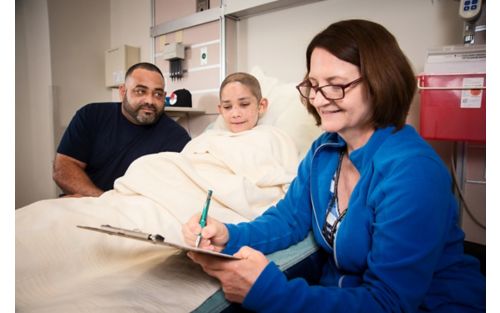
(214, 235)
(236, 276)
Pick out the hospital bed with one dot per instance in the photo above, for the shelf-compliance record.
(70, 270)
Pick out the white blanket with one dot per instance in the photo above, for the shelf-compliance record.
(61, 268)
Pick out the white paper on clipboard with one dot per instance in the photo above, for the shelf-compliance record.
(156, 239)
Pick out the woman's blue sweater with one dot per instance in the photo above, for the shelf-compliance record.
(398, 249)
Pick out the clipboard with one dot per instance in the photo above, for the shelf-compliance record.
(153, 239)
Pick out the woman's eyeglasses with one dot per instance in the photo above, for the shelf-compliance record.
(330, 92)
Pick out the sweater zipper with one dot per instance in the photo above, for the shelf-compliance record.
(334, 246)
(312, 202)
(341, 278)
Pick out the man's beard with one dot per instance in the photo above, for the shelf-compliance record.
(139, 116)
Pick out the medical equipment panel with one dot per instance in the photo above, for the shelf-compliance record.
(470, 9)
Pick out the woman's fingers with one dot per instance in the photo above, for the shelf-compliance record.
(236, 276)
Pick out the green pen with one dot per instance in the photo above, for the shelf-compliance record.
(203, 218)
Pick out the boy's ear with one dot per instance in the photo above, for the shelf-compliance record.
(219, 108)
(122, 91)
(263, 105)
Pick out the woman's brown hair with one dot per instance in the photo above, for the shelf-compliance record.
(385, 69)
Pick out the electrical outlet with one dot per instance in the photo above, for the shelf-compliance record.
(203, 56)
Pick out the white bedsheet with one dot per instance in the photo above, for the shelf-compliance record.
(60, 268)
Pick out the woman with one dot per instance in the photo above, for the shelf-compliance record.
(376, 196)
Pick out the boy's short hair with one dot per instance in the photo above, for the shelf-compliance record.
(245, 79)
(385, 69)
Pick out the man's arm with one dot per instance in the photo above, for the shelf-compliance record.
(69, 174)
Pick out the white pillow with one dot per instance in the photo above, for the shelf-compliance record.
(285, 111)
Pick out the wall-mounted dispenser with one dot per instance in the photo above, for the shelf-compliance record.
(117, 61)
(174, 53)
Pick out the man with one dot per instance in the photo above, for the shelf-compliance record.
(104, 138)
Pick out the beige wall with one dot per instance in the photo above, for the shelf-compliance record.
(130, 21)
(34, 121)
(79, 35)
(416, 24)
(59, 67)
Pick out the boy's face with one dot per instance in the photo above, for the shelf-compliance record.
(239, 107)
